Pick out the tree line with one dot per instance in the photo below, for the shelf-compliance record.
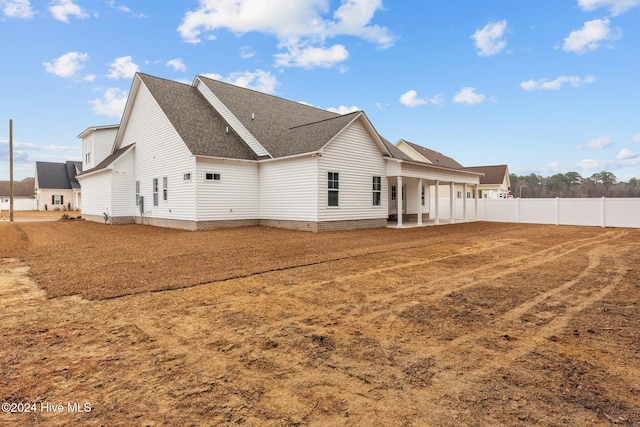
(572, 184)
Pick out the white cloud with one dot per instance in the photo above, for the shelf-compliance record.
(636, 138)
(177, 64)
(343, 109)
(556, 84)
(123, 67)
(310, 57)
(301, 27)
(67, 65)
(591, 164)
(48, 148)
(124, 9)
(600, 142)
(616, 7)
(410, 99)
(17, 9)
(589, 38)
(246, 52)
(468, 95)
(609, 164)
(112, 103)
(63, 9)
(262, 81)
(626, 154)
(490, 39)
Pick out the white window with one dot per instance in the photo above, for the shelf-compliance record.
(468, 194)
(459, 194)
(137, 193)
(165, 189)
(422, 196)
(186, 177)
(211, 176)
(87, 152)
(155, 191)
(333, 189)
(377, 191)
(57, 199)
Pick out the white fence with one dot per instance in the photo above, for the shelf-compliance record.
(603, 212)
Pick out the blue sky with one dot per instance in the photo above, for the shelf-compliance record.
(545, 86)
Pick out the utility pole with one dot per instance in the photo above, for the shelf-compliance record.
(11, 170)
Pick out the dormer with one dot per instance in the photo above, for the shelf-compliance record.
(97, 143)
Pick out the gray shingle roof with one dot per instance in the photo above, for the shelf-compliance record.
(492, 174)
(60, 176)
(283, 127)
(24, 188)
(436, 158)
(202, 129)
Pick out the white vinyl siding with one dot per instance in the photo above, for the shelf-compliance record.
(357, 158)
(159, 152)
(96, 194)
(289, 189)
(97, 146)
(233, 197)
(123, 186)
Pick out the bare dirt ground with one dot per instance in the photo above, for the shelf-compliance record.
(460, 325)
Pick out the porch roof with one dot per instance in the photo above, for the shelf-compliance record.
(422, 170)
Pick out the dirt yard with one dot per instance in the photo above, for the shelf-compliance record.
(460, 325)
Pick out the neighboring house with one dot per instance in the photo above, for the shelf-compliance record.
(211, 154)
(495, 184)
(494, 181)
(56, 186)
(24, 198)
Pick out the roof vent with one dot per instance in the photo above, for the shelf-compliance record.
(227, 129)
(253, 116)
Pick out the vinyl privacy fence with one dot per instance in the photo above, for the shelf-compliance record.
(602, 212)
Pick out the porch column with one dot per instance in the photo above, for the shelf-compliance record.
(437, 217)
(475, 191)
(399, 202)
(452, 206)
(420, 202)
(464, 202)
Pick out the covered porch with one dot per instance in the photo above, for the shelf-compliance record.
(421, 194)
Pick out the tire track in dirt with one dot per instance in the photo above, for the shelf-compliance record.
(525, 340)
(404, 299)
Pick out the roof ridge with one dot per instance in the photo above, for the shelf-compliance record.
(325, 120)
(266, 94)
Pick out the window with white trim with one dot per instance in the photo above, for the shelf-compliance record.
(211, 176)
(137, 193)
(186, 177)
(57, 199)
(155, 191)
(377, 191)
(165, 189)
(422, 195)
(333, 189)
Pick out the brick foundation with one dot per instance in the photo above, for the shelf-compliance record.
(357, 224)
(290, 225)
(214, 225)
